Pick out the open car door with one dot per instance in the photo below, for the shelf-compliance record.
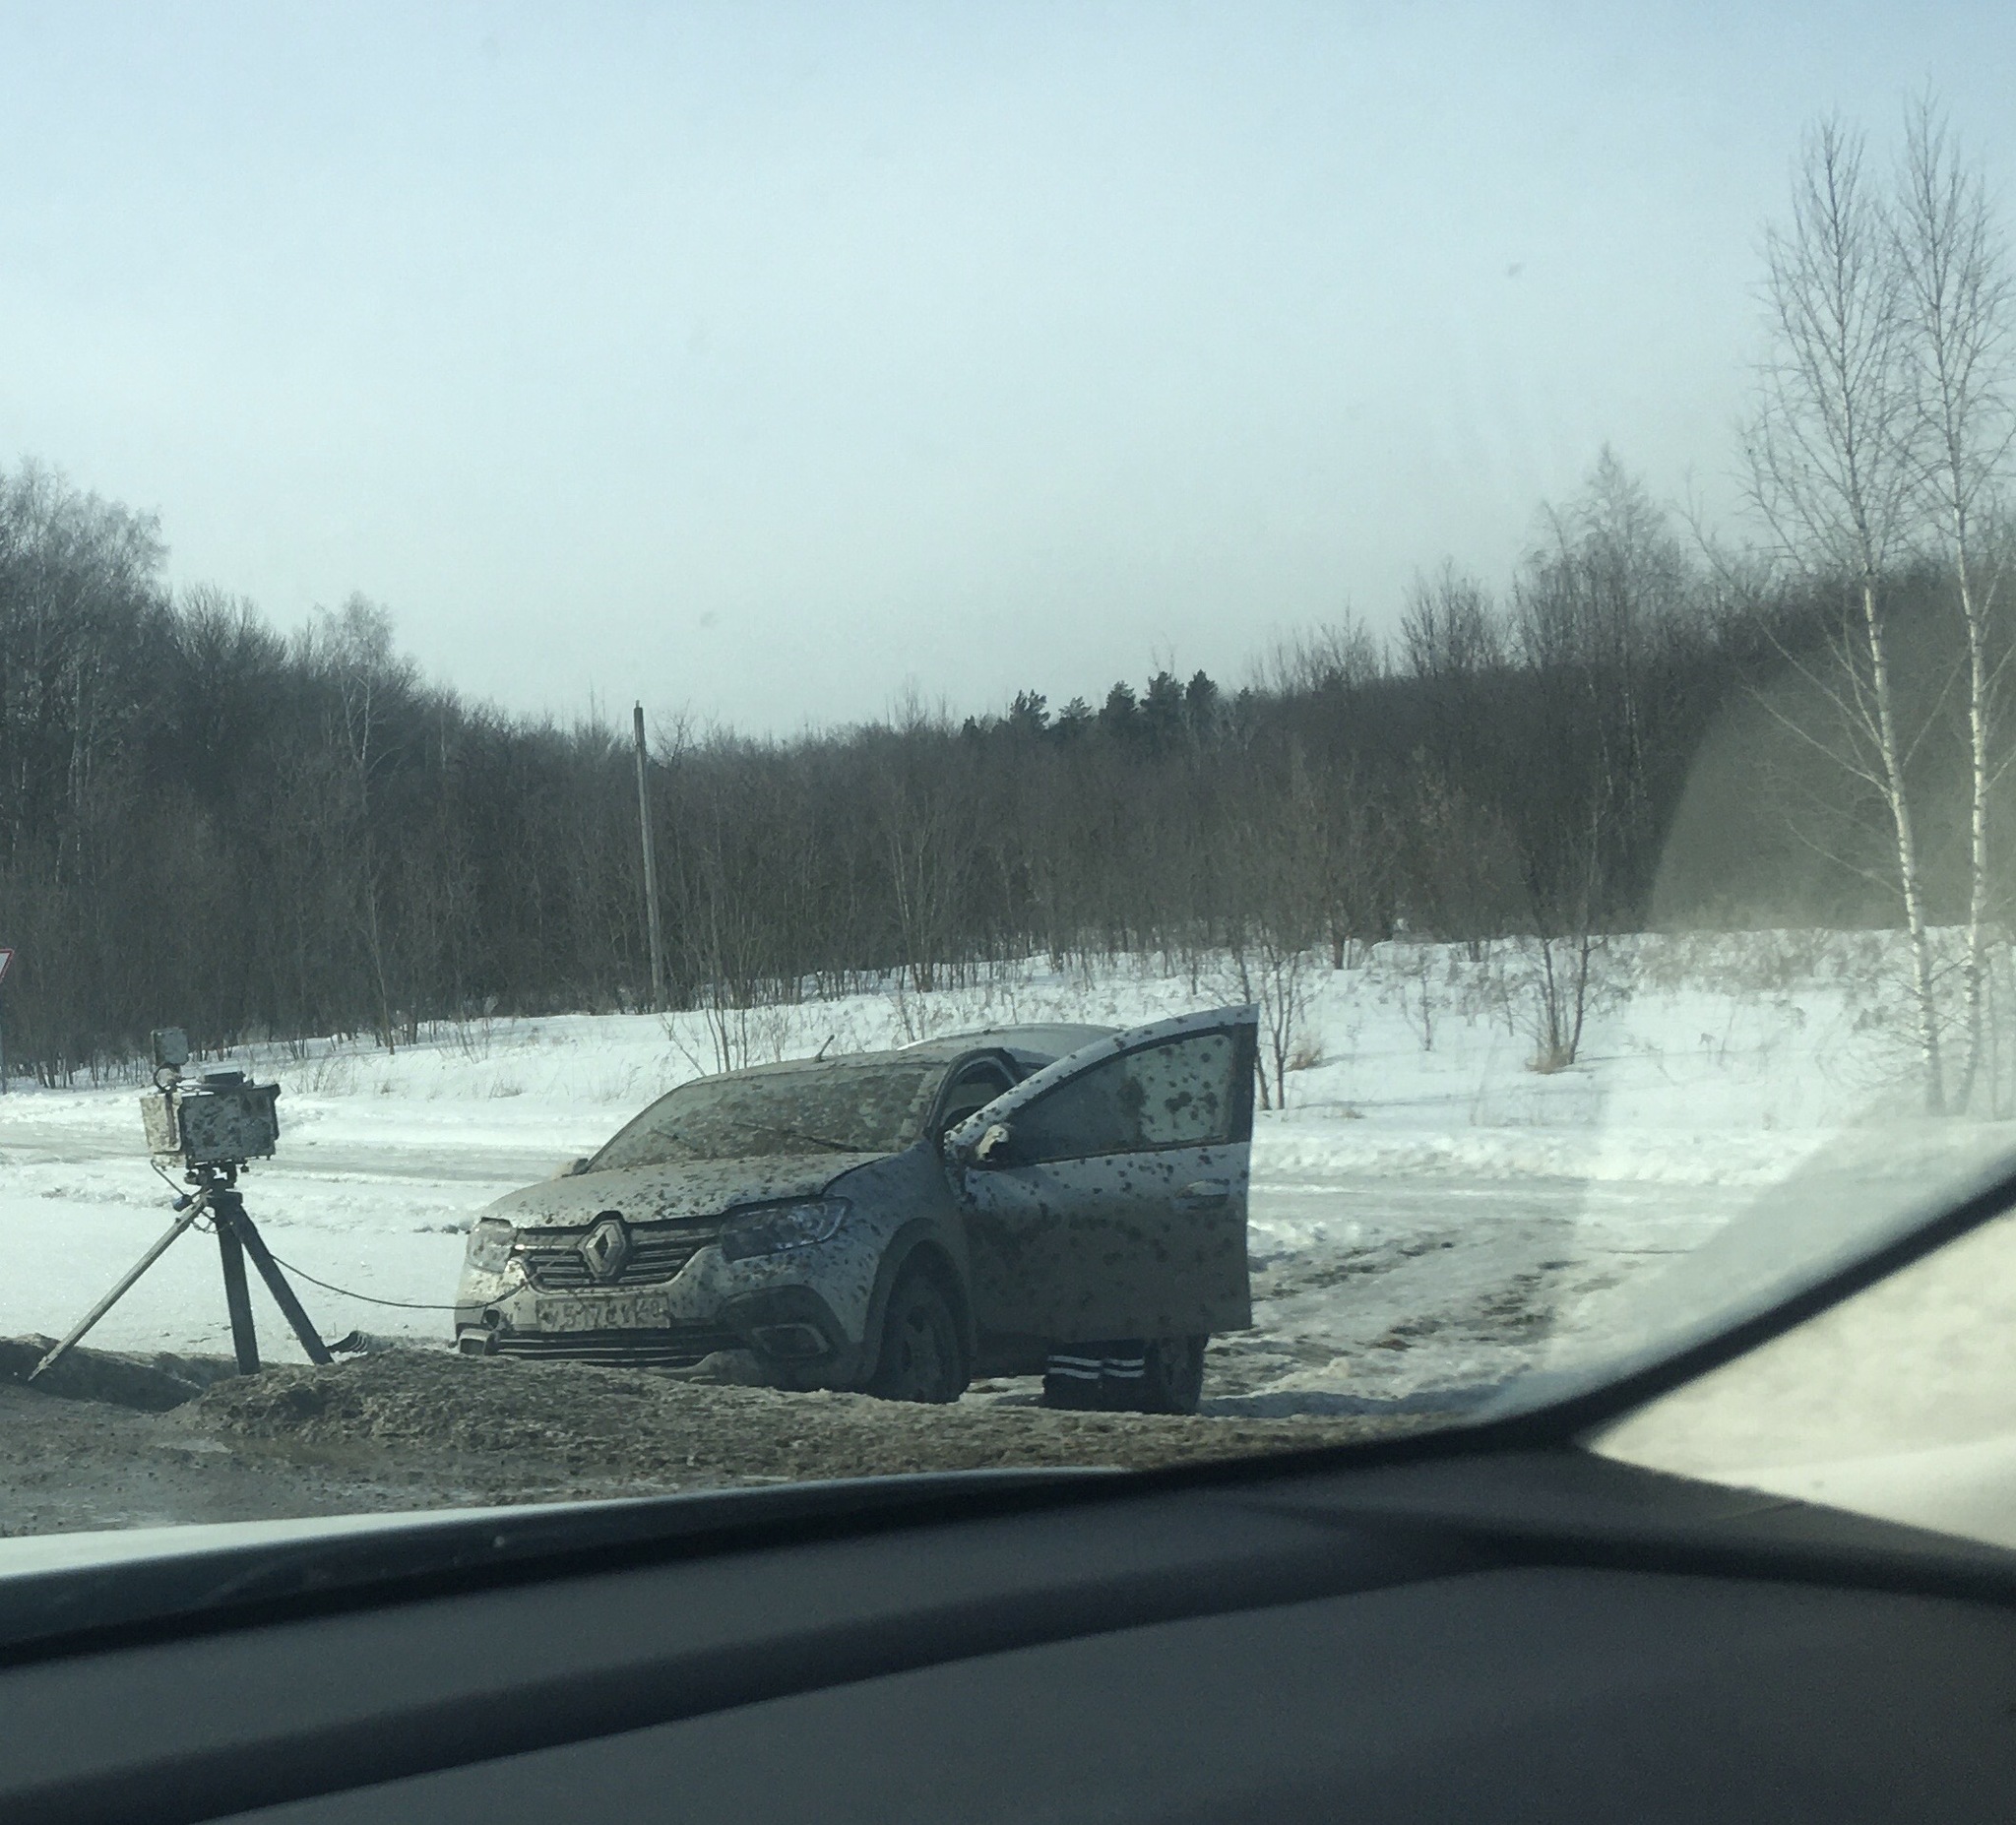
(1105, 1196)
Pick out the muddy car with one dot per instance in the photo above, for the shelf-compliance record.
(899, 1222)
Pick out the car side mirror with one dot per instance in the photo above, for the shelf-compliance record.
(991, 1149)
(575, 1170)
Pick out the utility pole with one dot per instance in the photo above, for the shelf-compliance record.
(6, 962)
(657, 952)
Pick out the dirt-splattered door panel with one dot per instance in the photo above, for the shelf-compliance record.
(1116, 1206)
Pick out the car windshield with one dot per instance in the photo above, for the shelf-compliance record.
(1399, 624)
(843, 1107)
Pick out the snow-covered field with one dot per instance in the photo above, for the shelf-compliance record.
(1429, 1212)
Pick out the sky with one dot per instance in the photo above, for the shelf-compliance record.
(769, 362)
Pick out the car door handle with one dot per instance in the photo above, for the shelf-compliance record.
(1202, 1193)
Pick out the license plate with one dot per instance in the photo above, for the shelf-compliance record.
(618, 1312)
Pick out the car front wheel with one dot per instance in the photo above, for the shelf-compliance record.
(923, 1347)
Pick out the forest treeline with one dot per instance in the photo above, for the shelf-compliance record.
(258, 834)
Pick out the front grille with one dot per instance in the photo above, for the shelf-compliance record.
(619, 1349)
(554, 1263)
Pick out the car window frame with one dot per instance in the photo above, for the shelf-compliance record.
(1240, 1022)
(1077, 1081)
(936, 1130)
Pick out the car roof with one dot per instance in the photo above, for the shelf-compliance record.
(1045, 1043)
(1028, 1046)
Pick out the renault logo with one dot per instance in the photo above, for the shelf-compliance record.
(606, 1247)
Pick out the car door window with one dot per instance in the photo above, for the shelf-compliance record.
(1185, 1091)
(1178, 1093)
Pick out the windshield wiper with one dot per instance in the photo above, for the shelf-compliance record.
(798, 1134)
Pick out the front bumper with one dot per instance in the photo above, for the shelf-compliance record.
(639, 1346)
(794, 1310)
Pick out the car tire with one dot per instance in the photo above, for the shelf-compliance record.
(1172, 1377)
(922, 1354)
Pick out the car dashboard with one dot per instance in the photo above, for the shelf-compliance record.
(1469, 1634)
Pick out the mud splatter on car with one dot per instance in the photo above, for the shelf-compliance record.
(895, 1221)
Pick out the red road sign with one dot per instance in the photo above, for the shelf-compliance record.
(6, 957)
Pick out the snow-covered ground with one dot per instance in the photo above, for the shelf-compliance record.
(1429, 1212)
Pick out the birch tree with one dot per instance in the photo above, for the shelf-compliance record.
(1954, 299)
(1834, 471)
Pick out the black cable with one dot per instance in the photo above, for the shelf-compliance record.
(405, 1305)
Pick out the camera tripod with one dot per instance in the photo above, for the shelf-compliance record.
(216, 1194)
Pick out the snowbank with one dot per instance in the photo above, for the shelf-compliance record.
(1711, 1068)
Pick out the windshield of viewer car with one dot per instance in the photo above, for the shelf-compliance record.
(665, 573)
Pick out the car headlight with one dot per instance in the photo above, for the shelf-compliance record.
(489, 1245)
(771, 1228)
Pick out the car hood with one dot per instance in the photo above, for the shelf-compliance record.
(653, 1194)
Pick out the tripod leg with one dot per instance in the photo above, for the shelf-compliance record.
(237, 1299)
(119, 1292)
(278, 1285)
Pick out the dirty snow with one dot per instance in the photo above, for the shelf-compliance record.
(1429, 1214)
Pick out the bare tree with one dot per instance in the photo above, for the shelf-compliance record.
(1447, 629)
(1833, 472)
(1265, 965)
(1599, 607)
(1340, 655)
(353, 648)
(917, 821)
(1956, 302)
